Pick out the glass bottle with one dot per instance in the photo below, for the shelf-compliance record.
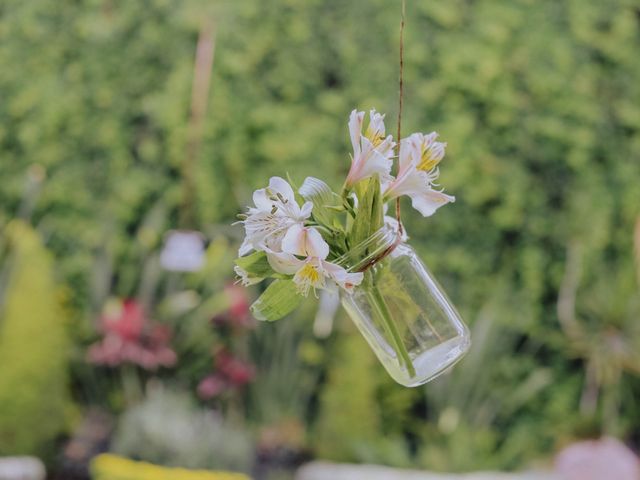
(402, 311)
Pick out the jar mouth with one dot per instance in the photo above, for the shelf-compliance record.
(371, 250)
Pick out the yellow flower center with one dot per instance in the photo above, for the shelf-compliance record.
(427, 160)
(376, 139)
(375, 136)
(310, 274)
(307, 277)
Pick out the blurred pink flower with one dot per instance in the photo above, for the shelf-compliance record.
(211, 386)
(238, 300)
(604, 459)
(238, 314)
(130, 337)
(230, 373)
(236, 371)
(126, 320)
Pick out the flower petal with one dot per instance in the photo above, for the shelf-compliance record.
(245, 248)
(311, 275)
(261, 199)
(408, 152)
(305, 241)
(315, 244)
(305, 211)
(375, 129)
(245, 277)
(294, 241)
(355, 129)
(344, 279)
(410, 181)
(281, 186)
(284, 262)
(372, 162)
(429, 200)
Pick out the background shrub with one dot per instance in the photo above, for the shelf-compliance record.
(33, 349)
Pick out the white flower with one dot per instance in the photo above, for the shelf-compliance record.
(373, 151)
(419, 158)
(246, 278)
(305, 242)
(314, 270)
(275, 212)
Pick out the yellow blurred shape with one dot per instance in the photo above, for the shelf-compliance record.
(114, 467)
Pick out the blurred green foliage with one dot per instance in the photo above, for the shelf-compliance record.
(350, 416)
(34, 399)
(351, 425)
(168, 429)
(538, 100)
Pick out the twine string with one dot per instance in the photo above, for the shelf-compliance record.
(398, 240)
(400, 101)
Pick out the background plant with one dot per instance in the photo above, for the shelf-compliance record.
(32, 315)
(169, 429)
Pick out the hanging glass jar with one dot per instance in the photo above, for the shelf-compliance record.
(401, 311)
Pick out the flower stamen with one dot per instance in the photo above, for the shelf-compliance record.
(308, 277)
(431, 155)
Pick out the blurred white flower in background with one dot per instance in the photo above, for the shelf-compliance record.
(603, 459)
(183, 251)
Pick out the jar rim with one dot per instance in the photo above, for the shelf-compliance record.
(371, 250)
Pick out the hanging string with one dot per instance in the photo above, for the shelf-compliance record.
(400, 99)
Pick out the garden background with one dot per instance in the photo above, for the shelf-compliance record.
(102, 153)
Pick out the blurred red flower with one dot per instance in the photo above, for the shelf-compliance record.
(237, 314)
(230, 373)
(130, 337)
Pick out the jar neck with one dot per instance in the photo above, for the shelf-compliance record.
(370, 251)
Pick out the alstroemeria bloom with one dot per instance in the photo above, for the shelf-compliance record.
(314, 270)
(419, 158)
(246, 278)
(276, 211)
(373, 151)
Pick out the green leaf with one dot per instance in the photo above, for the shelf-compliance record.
(279, 299)
(256, 264)
(369, 216)
(324, 200)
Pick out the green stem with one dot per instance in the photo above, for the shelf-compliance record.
(377, 300)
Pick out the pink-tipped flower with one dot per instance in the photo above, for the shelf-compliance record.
(372, 151)
(419, 158)
(276, 210)
(313, 271)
